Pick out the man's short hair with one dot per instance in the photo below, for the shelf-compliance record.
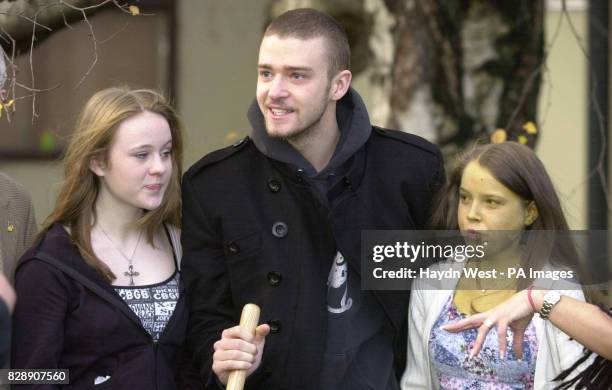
(308, 23)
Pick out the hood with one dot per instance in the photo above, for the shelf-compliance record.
(353, 122)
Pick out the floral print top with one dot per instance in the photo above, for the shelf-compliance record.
(486, 371)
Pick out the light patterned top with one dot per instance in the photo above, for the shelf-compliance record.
(449, 355)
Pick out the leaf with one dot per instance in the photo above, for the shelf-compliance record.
(530, 127)
(134, 10)
(47, 142)
(231, 136)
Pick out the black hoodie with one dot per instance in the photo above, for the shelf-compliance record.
(359, 351)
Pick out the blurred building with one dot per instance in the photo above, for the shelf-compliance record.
(204, 54)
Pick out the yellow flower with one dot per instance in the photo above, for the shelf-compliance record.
(530, 127)
(522, 139)
(6, 106)
(498, 136)
(134, 10)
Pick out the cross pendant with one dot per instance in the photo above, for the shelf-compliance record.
(131, 273)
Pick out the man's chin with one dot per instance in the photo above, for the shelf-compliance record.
(275, 132)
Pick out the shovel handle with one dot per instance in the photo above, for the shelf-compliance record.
(248, 320)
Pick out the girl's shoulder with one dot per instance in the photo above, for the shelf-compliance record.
(174, 235)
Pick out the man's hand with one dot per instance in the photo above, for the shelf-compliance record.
(239, 350)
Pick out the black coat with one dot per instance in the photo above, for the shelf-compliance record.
(69, 317)
(254, 231)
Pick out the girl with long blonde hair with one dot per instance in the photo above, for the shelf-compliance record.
(100, 293)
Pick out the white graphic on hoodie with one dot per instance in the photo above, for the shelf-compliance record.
(338, 300)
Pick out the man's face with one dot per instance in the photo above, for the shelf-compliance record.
(293, 88)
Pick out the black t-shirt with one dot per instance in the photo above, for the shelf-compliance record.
(359, 352)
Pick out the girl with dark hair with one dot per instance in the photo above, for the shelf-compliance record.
(499, 194)
(99, 292)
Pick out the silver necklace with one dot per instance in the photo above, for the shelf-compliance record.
(130, 272)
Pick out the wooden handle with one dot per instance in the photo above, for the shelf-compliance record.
(248, 320)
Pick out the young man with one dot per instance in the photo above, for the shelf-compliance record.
(276, 220)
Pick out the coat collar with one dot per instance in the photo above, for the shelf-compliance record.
(353, 122)
(6, 185)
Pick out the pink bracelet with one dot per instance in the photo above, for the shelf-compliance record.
(531, 299)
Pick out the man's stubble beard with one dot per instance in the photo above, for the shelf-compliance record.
(309, 131)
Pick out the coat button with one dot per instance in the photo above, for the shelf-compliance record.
(274, 185)
(280, 230)
(299, 174)
(347, 181)
(275, 326)
(233, 248)
(274, 278)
